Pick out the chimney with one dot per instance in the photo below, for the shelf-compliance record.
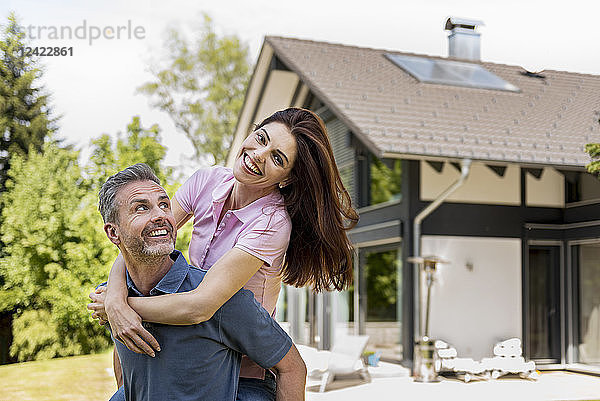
(463, 42)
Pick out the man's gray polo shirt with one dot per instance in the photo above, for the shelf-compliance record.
(201, 361)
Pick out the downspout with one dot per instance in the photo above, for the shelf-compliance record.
(464, 173)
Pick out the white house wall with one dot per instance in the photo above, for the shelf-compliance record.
(482, 186)
(278, 93)
(547, 191)
(476, 298)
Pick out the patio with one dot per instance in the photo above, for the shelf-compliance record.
(392, 382)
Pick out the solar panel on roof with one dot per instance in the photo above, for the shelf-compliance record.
(449, 72)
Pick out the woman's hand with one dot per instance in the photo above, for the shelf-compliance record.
(125, 323)
(126, 326)
(97, 305)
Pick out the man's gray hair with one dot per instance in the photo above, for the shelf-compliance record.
(108, 193)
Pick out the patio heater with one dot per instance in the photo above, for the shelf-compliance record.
(424, 366)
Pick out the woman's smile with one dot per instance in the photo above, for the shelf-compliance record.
(251, 165)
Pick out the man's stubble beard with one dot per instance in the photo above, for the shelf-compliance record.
(147, 253)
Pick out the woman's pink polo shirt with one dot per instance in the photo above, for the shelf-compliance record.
(261, 228)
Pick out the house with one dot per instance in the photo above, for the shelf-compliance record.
(495, 151)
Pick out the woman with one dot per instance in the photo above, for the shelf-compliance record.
(284, 192)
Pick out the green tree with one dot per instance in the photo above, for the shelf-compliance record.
(56, 251)
(202, 88)
(24, 110)
(139, 145)
(593, 149)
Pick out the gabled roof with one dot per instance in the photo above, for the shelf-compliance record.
(548, 122)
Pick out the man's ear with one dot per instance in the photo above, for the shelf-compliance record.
(112, 232)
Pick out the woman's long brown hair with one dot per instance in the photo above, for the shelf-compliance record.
(319, 253)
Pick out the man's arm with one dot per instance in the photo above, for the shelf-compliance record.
(117, 368)
(248, 328)
(291, 376)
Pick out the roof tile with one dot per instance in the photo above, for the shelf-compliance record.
(548, 122)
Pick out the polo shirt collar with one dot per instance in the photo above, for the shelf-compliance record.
(248, 212)
(222, 190)
(170, 282)
(258, 207)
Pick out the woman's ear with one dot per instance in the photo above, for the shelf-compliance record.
(112, 232)
(286, 181)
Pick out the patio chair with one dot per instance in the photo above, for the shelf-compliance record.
(465, 369)
(316, 361)
(508, 359)
(345, 359)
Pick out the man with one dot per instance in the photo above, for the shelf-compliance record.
(196, 362)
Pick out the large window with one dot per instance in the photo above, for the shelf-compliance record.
(385, 180)
(379, 290)
(581, 186)
(382, 286)
(587, 259)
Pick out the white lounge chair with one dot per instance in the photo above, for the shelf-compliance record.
(316, 361)
(508, 359)
(345, 359)
(465, 369)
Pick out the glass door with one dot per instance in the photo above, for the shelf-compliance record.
(586, 262)
(543, 304)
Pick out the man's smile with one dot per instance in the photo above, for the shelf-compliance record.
(158, 233)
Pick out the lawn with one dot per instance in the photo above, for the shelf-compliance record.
(74, 378)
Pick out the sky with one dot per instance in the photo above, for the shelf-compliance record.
(94, 91)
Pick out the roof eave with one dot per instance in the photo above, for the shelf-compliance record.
(526, 164)
(330, 104)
